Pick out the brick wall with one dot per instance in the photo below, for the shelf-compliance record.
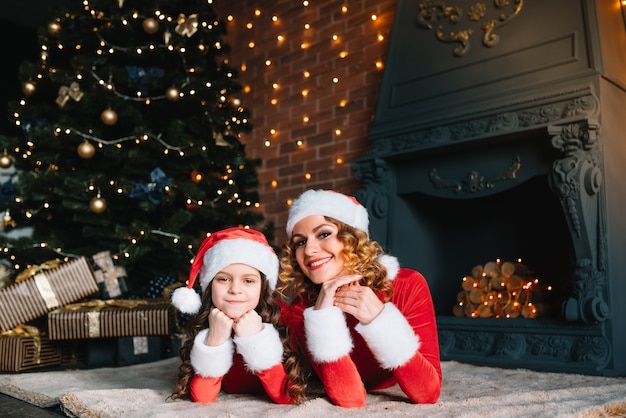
(308, 127)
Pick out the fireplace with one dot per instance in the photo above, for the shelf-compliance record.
(502, 155)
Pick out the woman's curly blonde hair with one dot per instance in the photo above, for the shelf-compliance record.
(270, 312)
(362, 258)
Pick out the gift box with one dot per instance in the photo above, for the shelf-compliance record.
(111, 279)
(25, 347)
(45, 291)
(111, 318)
(126, 351)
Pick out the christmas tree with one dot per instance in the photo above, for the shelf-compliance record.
(128, 138)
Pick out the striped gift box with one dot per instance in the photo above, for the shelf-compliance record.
(46, 291)
(111, 318)
(24, 348)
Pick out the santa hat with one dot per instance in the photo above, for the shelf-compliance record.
(339, 206)
(329, 203)
(220, 249)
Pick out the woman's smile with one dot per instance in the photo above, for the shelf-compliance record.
(318, 250)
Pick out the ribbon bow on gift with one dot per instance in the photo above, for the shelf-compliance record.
(96, 305)
(27, 331)
(187, 26)
(32, 270)
(99, 304)
(65, 93)
(155, 190)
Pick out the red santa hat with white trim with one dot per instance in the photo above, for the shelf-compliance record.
(220, 249)
(341, 207)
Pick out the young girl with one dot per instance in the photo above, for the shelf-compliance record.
(235, 341)
(366, 324)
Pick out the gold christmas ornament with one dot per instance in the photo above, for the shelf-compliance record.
(5, 160)
(28, 88)
(150, 26)
(98, 204)
(187, 26)
(109, 117)
(86, 150)
(172, 94)
(167, 37)
(65, 93)
(7, 221)
(219, 140)
(54, 28)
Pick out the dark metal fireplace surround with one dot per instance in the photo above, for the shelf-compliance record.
(497, 137)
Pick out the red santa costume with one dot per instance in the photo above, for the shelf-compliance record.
(399, 346)
(251, 364)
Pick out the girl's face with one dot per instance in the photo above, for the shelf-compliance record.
(318, 250)
(236, 289)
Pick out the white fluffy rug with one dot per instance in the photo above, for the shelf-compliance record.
(468, 391)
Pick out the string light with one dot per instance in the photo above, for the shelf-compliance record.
(312, 80)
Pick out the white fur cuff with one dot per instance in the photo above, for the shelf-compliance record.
(390, 337)
(328, 336)
(262, 350)
(211, 361)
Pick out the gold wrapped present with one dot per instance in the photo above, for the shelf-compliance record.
(44, 291)
(111, 318)
(25, 348)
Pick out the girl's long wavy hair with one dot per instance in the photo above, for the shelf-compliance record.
(269, 310)
(362, 258)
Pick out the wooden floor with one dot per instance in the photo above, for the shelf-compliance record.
(11, 407)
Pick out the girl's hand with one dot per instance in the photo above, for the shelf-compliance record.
(359, 301)
(248, 324)
(220, 328)
(326, 298)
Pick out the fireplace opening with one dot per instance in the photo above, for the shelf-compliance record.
(524, 222)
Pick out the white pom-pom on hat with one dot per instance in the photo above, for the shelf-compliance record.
(329, 203)
(186, 300)
(220, 249)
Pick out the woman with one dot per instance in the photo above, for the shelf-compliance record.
(366, 324)
(235, 338)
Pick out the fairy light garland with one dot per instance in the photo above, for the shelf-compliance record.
(267, 65)
(110, 48)
(500, 289)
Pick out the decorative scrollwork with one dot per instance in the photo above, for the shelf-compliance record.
(577, 142)
(474, 182)
(432, 11)
(511, 345)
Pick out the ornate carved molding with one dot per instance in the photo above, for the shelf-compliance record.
(493, 124)
(433, 11)
(375, 177)
(474, 182)
(577, 180)
(589, 352)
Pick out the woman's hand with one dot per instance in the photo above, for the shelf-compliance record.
(220, 328)
(358, 301)
(326, 297)
(248, 324)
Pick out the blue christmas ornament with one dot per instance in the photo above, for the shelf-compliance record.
(154, 191)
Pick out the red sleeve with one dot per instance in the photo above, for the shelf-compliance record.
(420, 377)
(342, 382)
(328, 352)
(205, 389)
(274, 381)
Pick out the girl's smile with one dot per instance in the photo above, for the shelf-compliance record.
(236, 289)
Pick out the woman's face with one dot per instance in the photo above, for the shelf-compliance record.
(236, 289)
(318, 249)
